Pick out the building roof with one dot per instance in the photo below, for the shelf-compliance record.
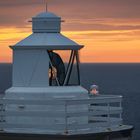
(50, 41)
(46, 35)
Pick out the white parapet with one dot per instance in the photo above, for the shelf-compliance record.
(59, 110)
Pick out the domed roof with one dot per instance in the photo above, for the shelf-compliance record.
(46, 15)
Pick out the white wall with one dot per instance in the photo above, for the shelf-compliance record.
(30, 68)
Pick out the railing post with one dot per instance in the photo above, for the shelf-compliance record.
(108, 115)
(66, 119)
(1, 115)
(120, 107)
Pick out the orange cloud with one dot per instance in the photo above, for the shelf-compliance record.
(100, 46)
(108, 46)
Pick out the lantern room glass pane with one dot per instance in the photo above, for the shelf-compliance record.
(63, 69)
(73, 80)
(64, 54)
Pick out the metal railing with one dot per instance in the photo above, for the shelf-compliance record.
(103, 111)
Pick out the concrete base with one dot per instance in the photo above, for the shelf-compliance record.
(115, 135)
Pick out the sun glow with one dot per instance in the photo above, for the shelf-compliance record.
(100, 45)
(9, 36)
(121, 46)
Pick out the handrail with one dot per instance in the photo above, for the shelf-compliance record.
(100, 113)
(104, 99)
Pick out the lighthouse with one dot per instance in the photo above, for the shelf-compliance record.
(46, 99)
(39, 72)
(33, 56)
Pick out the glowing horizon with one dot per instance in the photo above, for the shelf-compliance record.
(100, 46)
(107, 38)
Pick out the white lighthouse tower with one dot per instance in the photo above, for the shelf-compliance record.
(47, 101)
(39, 73)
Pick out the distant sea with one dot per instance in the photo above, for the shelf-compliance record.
(118, 79)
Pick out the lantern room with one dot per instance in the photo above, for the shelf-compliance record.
(46, 57)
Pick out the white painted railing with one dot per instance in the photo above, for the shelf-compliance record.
(104, 111)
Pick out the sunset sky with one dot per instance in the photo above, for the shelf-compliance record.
(109, 29)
